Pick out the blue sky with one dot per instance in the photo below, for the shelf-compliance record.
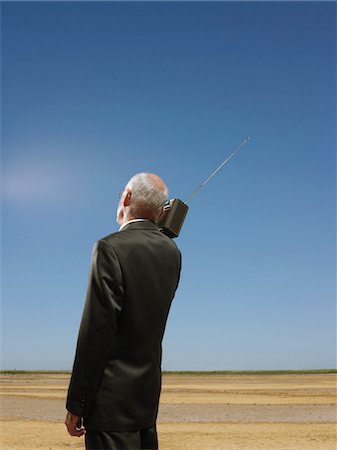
(95, 92)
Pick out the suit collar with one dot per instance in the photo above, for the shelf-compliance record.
(140, 225)
(130, 221)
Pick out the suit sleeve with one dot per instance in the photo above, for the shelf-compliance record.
(104, 301)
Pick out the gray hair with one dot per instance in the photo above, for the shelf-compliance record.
(147, 198)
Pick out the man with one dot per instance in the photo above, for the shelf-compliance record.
(115, 385)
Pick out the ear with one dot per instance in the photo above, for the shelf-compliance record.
(127, 198)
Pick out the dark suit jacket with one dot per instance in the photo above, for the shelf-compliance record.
(116, 379)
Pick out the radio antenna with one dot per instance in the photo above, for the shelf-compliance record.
(203, 184)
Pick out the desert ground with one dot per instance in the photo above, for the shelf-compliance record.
(197, 412)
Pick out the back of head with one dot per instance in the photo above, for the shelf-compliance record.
(148, 196)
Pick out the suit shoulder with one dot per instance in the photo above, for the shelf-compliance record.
(170, 242)
(118, 239)
(109, 239)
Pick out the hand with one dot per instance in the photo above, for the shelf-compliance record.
(74, 425)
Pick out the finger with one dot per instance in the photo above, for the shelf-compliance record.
(75, 432)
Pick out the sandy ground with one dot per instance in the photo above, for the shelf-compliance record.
(215, 412)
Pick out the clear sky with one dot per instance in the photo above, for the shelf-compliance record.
(95, 92)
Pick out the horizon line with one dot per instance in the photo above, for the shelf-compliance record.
(185, 372)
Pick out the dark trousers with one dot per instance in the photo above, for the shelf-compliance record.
(127, 440)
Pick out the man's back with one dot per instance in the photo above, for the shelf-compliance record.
(133, 278)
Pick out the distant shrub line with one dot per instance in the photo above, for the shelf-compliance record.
(185, 372)
(250, 372)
